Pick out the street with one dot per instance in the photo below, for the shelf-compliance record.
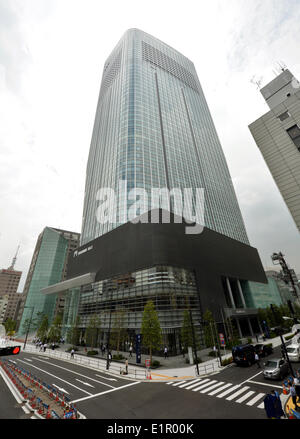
(234, 393)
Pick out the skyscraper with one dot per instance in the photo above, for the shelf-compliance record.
(277, 135)
(9, 282)
(48, 266)
(153, 129)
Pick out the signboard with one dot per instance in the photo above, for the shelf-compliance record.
(222, 340)
(138, 340)
(147, 363)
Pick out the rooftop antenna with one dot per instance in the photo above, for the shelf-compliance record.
(257, 81)
(282, 65)
(12, 267)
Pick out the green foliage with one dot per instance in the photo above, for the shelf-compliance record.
(72, 347)
(54, 333)
(43, 328)
(118, 332)
(288, 337)
(93, 330)
(209, 329)
(155, 364)
(10, 326)
(227, 361)
(151, 330)
(91, 353)
(73, 332)
(118, 357)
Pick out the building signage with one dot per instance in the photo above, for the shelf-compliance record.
(80, 252)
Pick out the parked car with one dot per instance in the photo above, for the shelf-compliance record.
(263, 350)
(275, 369)
(243, 354)
(293, 351)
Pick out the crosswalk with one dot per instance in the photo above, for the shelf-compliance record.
(231, 392)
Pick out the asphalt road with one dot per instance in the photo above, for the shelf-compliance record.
(99, 395)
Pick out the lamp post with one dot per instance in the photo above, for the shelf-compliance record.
(287, 273)
(28, 327)
(283, 346)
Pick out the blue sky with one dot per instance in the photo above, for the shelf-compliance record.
(51, 59)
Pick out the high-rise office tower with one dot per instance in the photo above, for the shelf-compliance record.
(9, 282)
(153, 129)
(277, 135)
(48, 266)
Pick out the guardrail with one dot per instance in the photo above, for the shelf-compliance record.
(94, 363)
(207, 368)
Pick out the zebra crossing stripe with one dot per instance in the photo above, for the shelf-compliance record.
(194, 385)
(243, 398)
(228, 391)
(242, 390)
(171, 382)
(204, 385)
(221, 388)
(255, 399)
(180, 382)
(190, 382)
(212, 387)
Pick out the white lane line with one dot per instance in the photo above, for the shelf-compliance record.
(231, 397)
(251, 378)
(266, 384)
(28, 359)
(255, 399)
(228, 391)
(212, 387)
(171, 382)
(180, 382)
(190, 382)
(105, 378)
(204, 385)
(45, 371)
(60, 388)
(221, 388)
(106, 391)
(77, 373)
(243, 398)
(87, 384)
(194, 385)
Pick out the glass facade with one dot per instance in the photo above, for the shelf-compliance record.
(153, 129)
(46, 269)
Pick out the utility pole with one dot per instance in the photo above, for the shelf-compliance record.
(283, 346)
(194, 342)
(287, 274)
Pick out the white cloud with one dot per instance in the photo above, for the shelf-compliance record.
(51, 59)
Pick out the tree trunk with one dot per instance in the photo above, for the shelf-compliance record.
(150, 356)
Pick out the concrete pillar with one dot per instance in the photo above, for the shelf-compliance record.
(241, 293)
(250, 327)
(239, 328)
(230, 293)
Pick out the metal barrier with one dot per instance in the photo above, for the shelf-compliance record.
(207, 368)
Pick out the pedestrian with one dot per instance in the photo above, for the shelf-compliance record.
(126, 366)
(72, 353)
(109, 357)
(52, 346)
(277, 405)
(130, 350)
(257, 361)
(293, 395)
(166, 351)
(182, 350)
(41, 346)
(269, 406)
(103, 349)
(297, 385)
(45, 347)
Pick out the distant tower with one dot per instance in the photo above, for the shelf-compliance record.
(12, 267)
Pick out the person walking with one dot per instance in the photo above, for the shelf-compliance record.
(166, 351)
(257, 361)
(45, 347)
(130, 350)
(297, 385)
(109, 357)
(72, 353)
(269, 406)
(126, 366)
(277, 405)
(293, 395)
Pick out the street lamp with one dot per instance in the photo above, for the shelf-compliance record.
(28, 327)
(283, 346)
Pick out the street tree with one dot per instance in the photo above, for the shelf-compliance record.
(54, 333)
(93, 331)
(73, 332)
(151, 330)
(42, 330)
(118, 332)
(10, 326)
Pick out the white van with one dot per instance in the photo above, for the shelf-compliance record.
(293, 351)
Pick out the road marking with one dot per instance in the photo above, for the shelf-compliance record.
(221, 388)
(87, 384)
(60, 388)
(251, 378)
(261, 406)
(204, 385)
(212, 387)
(255, 399)
(171, 382)
(189, 382)
(177, 384)
(243, 398)
(237, 393)
(28, 359)
(45, 371)
(77, 373)
(194, 385)
(266, 384)
(103, 393)
(228, 391)
(105, 378)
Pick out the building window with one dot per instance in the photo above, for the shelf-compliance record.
(294, 133)
(284, 116)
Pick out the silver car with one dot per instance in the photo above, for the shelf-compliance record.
(275, 369)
